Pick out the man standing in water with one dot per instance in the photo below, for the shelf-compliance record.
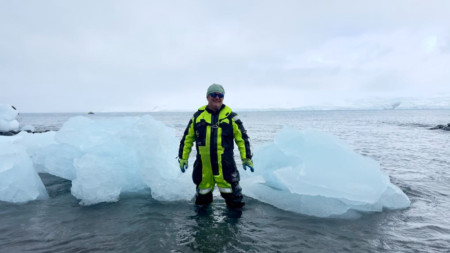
(213, 128)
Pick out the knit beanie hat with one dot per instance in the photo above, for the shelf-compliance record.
(213, 88)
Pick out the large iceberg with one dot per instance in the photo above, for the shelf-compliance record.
(316, 174)
(107, 157)
(102, 157)
(8, 121)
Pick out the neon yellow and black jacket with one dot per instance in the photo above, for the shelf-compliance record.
(213, 133)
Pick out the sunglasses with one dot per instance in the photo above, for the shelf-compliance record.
(214, 95)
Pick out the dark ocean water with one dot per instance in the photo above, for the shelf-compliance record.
(416, 158)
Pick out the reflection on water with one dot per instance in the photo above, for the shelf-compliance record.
(215, 229)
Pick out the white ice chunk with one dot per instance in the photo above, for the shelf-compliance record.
(19, 182)
(6, 126)
(8, 117)
(98, 179)
(58, 160)
(35, 144)
(7, 112)
(315, 173)
(394, 198)
(47, 155)
(106, 157)
(155, 144)
(85, 133)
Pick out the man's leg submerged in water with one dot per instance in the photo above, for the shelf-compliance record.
(204, 197)
(234, 199)
(230, 190)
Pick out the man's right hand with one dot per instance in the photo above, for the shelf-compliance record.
(183, 164)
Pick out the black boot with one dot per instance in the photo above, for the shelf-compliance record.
(234, 204)
(203, 199)
(234, 199)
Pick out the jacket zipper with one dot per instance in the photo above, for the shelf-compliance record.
(213, 147)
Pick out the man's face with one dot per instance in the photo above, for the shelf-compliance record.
(216, 102)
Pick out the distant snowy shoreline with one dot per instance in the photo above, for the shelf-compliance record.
(306, 109)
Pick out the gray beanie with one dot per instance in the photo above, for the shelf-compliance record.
(213, 88)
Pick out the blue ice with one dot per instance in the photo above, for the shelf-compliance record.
(19, 181)
(314, 173)
(307, 172)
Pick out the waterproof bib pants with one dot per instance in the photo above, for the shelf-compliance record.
(214, 134)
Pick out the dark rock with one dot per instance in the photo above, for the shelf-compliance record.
(443, 127)
(11, 133)
(38, 132)
(437, 127)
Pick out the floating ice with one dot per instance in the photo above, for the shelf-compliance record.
(307, 172)
(46, 155)
(316, 174)
(19, 181)
(8, 117)
(106, 157)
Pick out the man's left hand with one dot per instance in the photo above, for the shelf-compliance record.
(248, 163)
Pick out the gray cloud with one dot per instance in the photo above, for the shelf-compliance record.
(142, 55)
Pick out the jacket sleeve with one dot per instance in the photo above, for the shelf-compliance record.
(187, 141)
(241, 138)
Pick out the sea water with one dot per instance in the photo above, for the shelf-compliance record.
(415, 158)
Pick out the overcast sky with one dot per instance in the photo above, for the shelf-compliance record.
(77, 56)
